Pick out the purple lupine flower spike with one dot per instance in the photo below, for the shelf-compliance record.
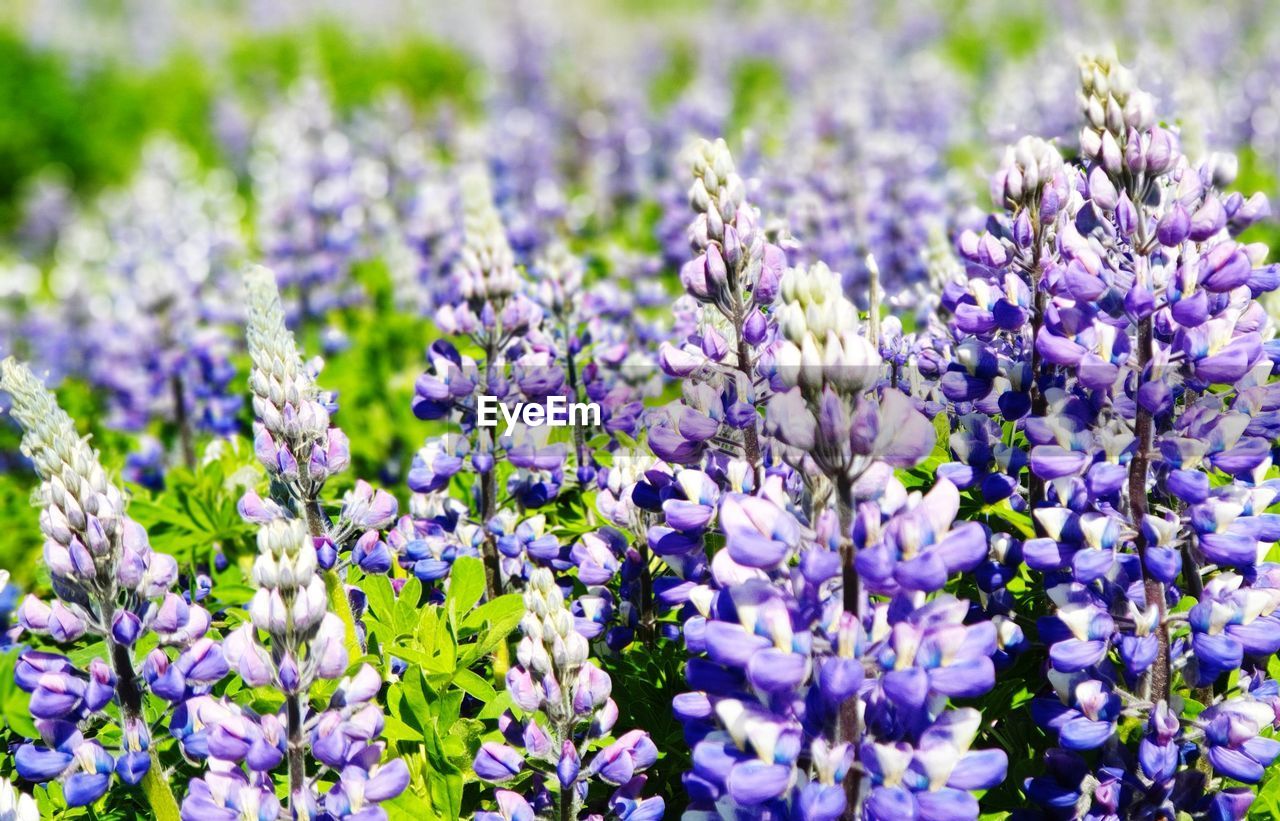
(109, 584)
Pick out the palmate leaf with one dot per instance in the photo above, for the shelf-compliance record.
(501, 620)
(198, 508)
(441, 705)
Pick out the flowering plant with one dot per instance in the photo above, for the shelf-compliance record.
(880, 508)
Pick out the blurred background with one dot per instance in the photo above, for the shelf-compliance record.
(150, 148)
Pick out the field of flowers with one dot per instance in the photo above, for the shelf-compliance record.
(922, 382)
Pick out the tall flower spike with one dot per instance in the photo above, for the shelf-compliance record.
(486, 266)
(293, 437)
(289, 643)
(846, 441)
(566, 697)
(110, 584)
(735, 271)
(303, 640)
(1110, 323)
(516, 366)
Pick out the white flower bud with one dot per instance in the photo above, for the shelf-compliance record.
(788, 362)
(266, 573)
(810, 363)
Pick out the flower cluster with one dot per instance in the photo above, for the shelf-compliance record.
(111, 585)
(292, 437)
(733, 275)
(290, 642)
(312, 194)
(301, 450)
(565, 699)
(907, 511)
(780, 663)
(518, 365)
(142, 276)
(1111, 314)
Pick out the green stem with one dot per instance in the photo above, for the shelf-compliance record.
(318, 525)
(183, 422)
(648, 623)
(297, 759)
(488, 509)
(164, 807)
(1161, 672)
(341, 605)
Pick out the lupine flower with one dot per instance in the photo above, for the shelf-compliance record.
(109, 584)
(734, 274)
(157, 255)
(780, 660)
(1114, 295)
(311, 204)
(227, 793)
(565, 698)
(300, 450)
(290, 642)
(292, 438)
(485, 301)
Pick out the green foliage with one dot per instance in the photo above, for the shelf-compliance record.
(671, 81)
(22, 541)
(977, 48)
(49, 104)
(196, 511)
(645, 680)
(14, 703)
(357, 72)
(1007, 723)
(437, 707)
(373, 377)
(89, 121)
(759, 91)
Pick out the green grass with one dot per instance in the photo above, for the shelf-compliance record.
(89, 122)
(356, 72)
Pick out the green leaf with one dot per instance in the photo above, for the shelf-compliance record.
(408, 806)
(15, 703)
(396, 730)
(475, 686)
(466, 584)
(407, 607)
(497, 613)
(426, 661)
(81, 657)
(446, 782)
(341, 605)
(382, 600)
(426, 634)
(496, 707)
(1267, 804)
(415, 695)
(505, 616)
